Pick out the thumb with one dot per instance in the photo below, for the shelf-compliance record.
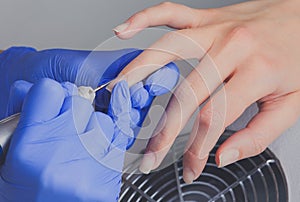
(43, 102)
(119, 110)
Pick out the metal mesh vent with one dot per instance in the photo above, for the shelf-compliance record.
(259, 178)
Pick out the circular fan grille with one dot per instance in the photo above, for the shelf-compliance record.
(259, 178)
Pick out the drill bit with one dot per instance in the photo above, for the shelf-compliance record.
(102, 86)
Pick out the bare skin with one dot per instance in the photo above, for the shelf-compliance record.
(255, 47)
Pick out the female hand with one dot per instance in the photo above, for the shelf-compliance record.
(253, 48)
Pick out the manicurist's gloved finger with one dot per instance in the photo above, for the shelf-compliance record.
(98, 136)
(139, 95)
(136, 117)
(70, 89)
(19, 90)
(160, 82)
(17, 94)
(46, 100)
(119, 111)
(43, 102)
(163, 80)
(107, 137)
(114, 147)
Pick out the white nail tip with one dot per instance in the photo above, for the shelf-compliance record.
(228, 157)
(121, 27)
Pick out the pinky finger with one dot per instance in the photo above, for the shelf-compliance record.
(272, 120)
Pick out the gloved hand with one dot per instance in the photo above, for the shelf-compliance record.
(82, 68)
(62, 150)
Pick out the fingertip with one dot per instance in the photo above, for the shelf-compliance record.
(192, 166)
(124, 31)
(21, 86)
(120, 98)
(188, 175)
(121, 28)
(236, 147)
(18, 51)
(18, 92)
(139, 95)
(70, 89)
(227, 157)
(173, 66)
(119, 110)
(135, 117)
(147, 163)
(163, 80)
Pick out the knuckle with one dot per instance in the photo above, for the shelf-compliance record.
(208, 13)
(192, 153)
(196, 154)
(211, 118)
(168, 5)
(241, 34)
(258, 144)
(175, 42)
(164, 139)
(171, 36)
(204, 16)
(212, 12)
(170, 9)
(142, 14)
(179, 35)
(185, 32)
(185, 94)
(263, 64)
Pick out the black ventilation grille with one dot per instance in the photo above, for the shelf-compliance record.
(259, 178)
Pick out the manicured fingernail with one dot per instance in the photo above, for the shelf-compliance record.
(121, 28)
(110, 86)
(188, 175)
(147, 163)
(228, 157)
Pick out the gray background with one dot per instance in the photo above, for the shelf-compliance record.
(82, 24)
(79, 24)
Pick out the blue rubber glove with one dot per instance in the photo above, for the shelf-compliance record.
(82, 68)
(62, 150)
